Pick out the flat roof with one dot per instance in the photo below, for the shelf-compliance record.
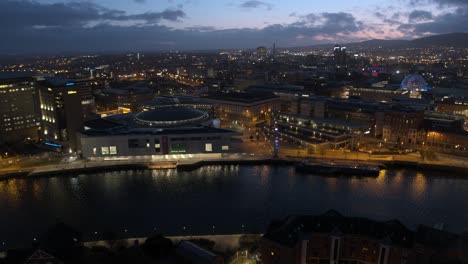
(173, 113)
(274, 87)
(293, 228)
(249, 97)
(189, 130)
(327, 121)
(17, 75)
(102, 124)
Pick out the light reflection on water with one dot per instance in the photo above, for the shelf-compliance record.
(225, 196)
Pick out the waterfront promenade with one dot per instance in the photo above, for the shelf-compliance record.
(411, 160)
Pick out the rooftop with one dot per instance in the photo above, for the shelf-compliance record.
(198, 129)
(241, 97)
(175, 113)
(17, 75)
(293, 228)
(58, 82)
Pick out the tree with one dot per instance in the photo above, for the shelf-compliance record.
(157, 246)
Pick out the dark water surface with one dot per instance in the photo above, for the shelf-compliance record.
(220, 199)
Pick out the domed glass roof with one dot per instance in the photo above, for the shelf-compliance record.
(171, 116)
(414, 82)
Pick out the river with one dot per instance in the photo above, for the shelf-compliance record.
(221, 200)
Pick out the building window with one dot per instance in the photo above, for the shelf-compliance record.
(157, 147)
(113, 150)
(178, 148)
(136, 143)
(105, 150)
(225, 147)
(94, 151)
(208, 147)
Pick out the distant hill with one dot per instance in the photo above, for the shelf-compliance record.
(458, 40)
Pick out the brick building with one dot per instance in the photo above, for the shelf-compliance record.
(336, 239)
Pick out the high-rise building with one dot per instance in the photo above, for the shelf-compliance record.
(19, 109)
(262, 52)
(340, 56)
(65, 105)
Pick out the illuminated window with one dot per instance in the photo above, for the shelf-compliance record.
(94, 151)
(113, 150)
(178, 148)
(208, 147)
(225, 147)
(105, 150)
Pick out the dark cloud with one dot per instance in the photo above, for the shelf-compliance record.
(451, 2)
(340, 22)
(256, 4)
(440, 3)
(454, 21)
(32, 27)
(171, 15)
(25, 14)
(107, 37)
(201, 28)
(419, 15)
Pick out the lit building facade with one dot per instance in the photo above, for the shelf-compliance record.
(403, 126)
(244, 108)
(320, 133)
(453, 106)
(166, 132)
(340, 56)
(64, 105)
(19, 107)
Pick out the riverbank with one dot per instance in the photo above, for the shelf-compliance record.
(222, 243)
(86, 166)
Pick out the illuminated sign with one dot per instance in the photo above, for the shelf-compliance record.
(70, 84)
(53, 145)
(71, 92)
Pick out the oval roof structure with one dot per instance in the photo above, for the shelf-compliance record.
(171, 116)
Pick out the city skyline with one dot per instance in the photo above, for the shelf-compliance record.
(50, 26)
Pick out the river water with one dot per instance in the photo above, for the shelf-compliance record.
(221, 200)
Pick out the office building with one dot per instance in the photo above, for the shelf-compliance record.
(19, 107)
(340, 56)
(319, 133)
(243, 108)
(262, 52)
(65, 105)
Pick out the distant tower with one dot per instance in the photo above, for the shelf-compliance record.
(274, 50)
(340, 56)
(262, 52)
(211, 73)
(138, 56)
(91, 73)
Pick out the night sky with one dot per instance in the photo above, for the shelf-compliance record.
(150, 25)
